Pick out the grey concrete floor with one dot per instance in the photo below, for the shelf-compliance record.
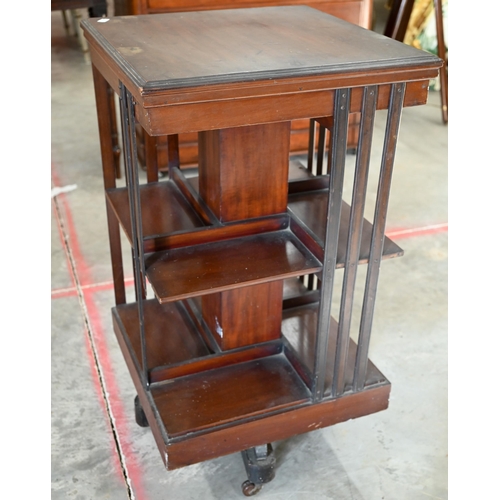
(98, 451)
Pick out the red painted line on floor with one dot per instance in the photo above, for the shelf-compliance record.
(396, 234)
(119, 412)
(134, 470)
(61, 236)
(96, 287)
(60, 293)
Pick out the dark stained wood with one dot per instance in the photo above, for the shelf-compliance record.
(416, 95)
(376, 247)
(149, 64)
(228, 394)
(309, 208)
(173, 152)
(165, 212)
(170, 222)
(220, 113)
(258, 320)
(270, 428)
(135, 371)
(214, 361)
(299, 331)
(187, 152)
(354, 238)
(170, 338)
(336, 165)
(175, 346)
(241, 183)
(106, 125)
(218, 233)
(225, 265)
(310, 184)
(241, 36)
(164, 209)
(190, 191)
(151, 158)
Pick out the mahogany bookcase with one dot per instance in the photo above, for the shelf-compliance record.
(230, 340)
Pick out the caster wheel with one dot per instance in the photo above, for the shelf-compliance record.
(140, 416)
(249, 489)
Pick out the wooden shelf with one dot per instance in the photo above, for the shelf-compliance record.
(310, 209)
(184, 400)
(164, 210)
(223, 265)
(212, 399)
(299, 332)
(170, 337)
(175, 345)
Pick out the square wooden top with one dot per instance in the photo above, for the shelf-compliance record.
(193, 49)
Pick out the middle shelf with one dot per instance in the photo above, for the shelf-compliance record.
(178, 343)
(180, 243)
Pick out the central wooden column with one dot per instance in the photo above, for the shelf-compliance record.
(243, 174)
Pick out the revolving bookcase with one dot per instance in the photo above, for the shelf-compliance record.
(230, 340)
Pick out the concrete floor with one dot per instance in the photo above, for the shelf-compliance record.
(98, 451)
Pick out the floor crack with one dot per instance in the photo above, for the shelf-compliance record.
(90, 335)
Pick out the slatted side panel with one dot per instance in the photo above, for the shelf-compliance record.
(334, 370)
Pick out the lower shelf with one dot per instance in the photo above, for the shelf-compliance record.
(196, 429)
(203, 404)
(227, 395)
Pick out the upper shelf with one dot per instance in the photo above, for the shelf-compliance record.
(164, 210)
(310, 209)
(170, 221)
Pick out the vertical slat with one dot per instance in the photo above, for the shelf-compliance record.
(312, 145)
(114, 132)
(132, 178)
(337, 150)
(321, 150)
(306, 280)
(151, 154)
(377, 240)
(354, 236)
(310, 282)
(173, 153)
(106, 116)
(328, 164)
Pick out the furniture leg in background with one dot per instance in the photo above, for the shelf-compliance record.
(396, 27)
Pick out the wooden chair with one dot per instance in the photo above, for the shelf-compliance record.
(396, 27)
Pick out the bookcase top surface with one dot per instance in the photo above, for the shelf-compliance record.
(192, 49)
